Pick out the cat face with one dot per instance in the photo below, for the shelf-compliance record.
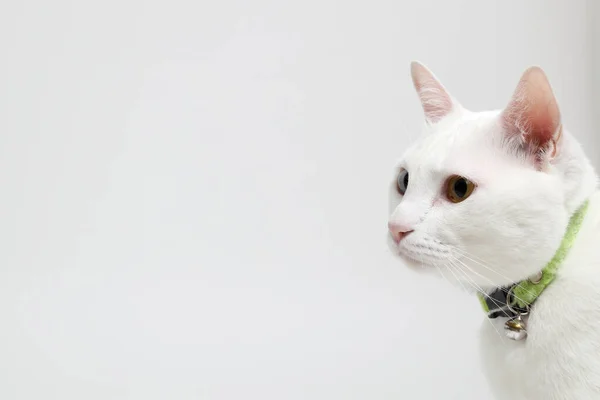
(479, 195)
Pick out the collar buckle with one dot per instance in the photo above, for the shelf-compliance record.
(516, 327)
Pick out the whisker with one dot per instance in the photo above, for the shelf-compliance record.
(486, 278)
(477, 288)
(463, 253)
(456, 277)
(442, 274)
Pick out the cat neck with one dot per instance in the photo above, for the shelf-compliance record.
(512, 300)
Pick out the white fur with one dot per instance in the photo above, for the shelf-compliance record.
(506, 231)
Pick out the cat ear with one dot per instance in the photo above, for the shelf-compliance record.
(436, 101)
(532, 117)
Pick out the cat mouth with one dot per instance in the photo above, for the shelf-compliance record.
(420, 251)
(405, 254)
(421, 255)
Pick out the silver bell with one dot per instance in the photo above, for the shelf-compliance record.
(515, 328)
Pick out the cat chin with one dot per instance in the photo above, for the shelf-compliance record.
(412, 263)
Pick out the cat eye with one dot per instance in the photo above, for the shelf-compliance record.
(458, 188)
(402, 182)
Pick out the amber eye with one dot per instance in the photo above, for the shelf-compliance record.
(402, 182)
(458, 188)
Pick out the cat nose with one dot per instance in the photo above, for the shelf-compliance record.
(398, 231)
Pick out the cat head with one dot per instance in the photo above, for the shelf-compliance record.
(487, 196)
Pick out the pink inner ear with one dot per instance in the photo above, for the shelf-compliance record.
(534, 125)
(435, 100)
(436, 105)
(533, 113)
(544, 126)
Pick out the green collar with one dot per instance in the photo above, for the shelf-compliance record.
(526, 292)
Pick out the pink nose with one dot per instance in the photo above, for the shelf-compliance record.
(398, 231)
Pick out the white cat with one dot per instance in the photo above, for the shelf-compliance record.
(488, 196)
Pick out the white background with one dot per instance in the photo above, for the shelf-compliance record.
(194, 193)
